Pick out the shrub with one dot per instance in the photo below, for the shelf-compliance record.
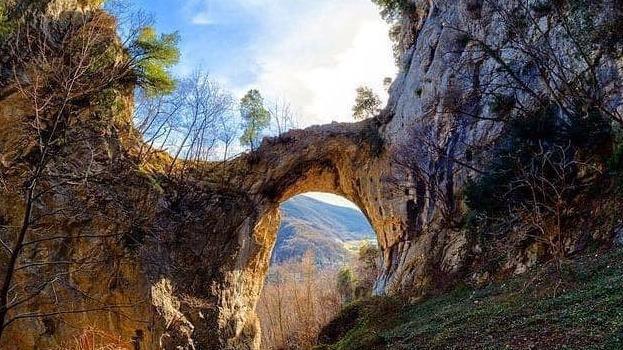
(4, 21)
(346, 284)
(537, 145)
(391, 10)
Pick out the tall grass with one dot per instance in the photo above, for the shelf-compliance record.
(92, 339)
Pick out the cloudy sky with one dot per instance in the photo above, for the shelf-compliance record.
(312, 53)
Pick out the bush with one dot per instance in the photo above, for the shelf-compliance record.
(391, 10)
(540, 140)
(6, 26)
(346, 284)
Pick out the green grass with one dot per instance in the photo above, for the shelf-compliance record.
(578, 308)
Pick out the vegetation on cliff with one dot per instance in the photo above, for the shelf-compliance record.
(96, 218)
(67, 78)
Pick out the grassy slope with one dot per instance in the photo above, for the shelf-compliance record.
(580, 308)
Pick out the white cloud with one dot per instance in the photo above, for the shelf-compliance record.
(322, 58)
(332, 199)
(316, 53)
(203, 18)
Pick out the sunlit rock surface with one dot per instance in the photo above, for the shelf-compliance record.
(194, 269)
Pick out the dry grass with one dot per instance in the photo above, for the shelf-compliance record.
(92, 339)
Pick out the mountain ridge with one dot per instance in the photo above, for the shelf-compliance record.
(309, 224)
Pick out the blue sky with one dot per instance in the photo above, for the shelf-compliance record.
(311, 53)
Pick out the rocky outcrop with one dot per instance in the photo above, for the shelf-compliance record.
(182, 259)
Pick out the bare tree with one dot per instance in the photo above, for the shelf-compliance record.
(282, 115)
(297, 300)
(550, 182)
(154, 118)
(55, 71)
(189, 123)
(228, 131)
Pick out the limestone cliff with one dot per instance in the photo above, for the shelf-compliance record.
(181, 260)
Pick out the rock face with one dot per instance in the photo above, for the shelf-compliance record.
(186, 258)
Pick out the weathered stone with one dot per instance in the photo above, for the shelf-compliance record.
(200, 246)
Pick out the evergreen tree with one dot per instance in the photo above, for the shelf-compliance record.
(154, 55)
(367, 103)
(392, 9)
(255, 118)
(5, 24)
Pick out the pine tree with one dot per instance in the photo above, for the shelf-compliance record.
(154, 55)
(367, 103)
(255, 117)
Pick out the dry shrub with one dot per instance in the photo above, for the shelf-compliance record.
(297, 301)
(92, 339)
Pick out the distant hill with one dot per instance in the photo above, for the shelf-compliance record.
(308, 224)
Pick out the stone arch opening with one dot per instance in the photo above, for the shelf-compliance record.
(227, 263)
(321, 236)
(327, 224)
(348, 160)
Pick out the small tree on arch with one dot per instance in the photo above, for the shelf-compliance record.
(367, 103)
(255, 118)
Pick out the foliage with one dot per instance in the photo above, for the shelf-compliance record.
(367, 268)
(5, 25)
(94, 3)
(535, 310)
(154, 55)
(367, 103)
(391, 10)
(346, 284)
(368, 255)
(356, 281)
(255, 118)
(527, 142)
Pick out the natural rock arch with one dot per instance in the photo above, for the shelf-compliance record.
(199, 246)
(196, 264)
(343, 159)
(190, 255)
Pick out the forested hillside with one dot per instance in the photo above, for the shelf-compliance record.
(308, 224)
